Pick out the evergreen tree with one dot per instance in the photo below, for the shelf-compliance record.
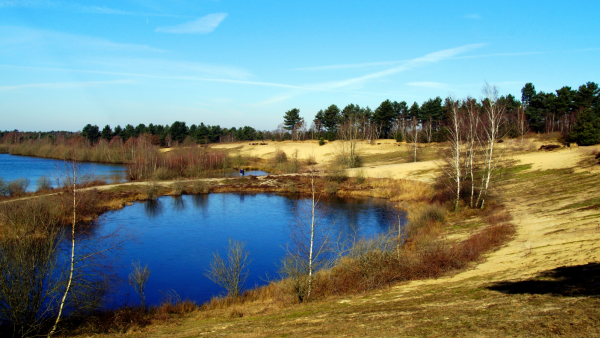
(291, 118)
(128, 132)
(178, 131)
(431, 110)
(527, 93)
(586, 131)
(107, 133)
(331, 117)
(401, 109)
(351, 111)
(414, 111)
(91, 133)
(587, 96)
(384, 115)
(118, 131)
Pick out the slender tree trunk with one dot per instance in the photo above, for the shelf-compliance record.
(64, 298)
(312, 234)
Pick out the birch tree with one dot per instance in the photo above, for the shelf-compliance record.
(522, 124)
(494, 118)
(453, 157)
(311, 243)
(415, 135)
(70, 181)
(472, 127)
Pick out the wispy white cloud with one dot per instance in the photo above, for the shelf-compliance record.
(359, 81)
(409, 65)
(475, 16)
(29, 37)
(76, 7)
(203, 25)
(62, 85)
(164, 77)
(365, 65)
(159, 66)
(499, 54)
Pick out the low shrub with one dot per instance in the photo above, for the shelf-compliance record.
(43, 183)
(178, 188)
(17, 187)
(337, 174)
(151, 190)
(163, 174)
(200, 187)
(360, 176)
(331, 187)
(280, 156)
(321, 141)
(399, 137)
(3, 187)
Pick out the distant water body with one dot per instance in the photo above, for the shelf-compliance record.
(31, 168)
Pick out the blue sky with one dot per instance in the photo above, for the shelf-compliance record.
(64, 64)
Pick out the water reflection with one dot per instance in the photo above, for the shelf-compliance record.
(153, 208)
(178, 203)
(200, 202)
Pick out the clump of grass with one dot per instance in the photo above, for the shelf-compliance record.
(310, 160)
(336, 174)
(332, 187)
(178, 187)
(360, 176)
(280, 156)
(151, 190)
(200, 187)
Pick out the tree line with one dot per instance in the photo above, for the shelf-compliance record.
(538, 112)
(542, 112)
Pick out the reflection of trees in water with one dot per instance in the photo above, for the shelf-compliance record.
(153, 208)
(178, 203)
(201, 202)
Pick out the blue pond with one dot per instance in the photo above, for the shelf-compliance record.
(177, 237)
(31, 168)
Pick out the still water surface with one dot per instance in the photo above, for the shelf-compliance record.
(176, 237)
(31, 168)
(13, 167)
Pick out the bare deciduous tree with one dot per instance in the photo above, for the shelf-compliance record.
(348, 133)
(232, 272)
(29, 278)
(137, 279)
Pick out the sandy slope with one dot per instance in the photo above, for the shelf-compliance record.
(423, 171)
